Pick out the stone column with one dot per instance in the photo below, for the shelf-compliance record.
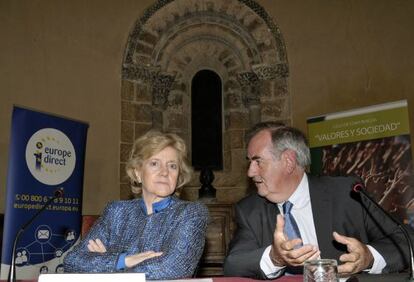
(160, 88)
(251, 87)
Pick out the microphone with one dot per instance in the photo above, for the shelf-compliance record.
(360, 188)
(12, 272)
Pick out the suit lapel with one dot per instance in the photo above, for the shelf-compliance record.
(273, 210)
(271, 214)
(322, 217)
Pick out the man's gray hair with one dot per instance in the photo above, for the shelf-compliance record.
(284, 138)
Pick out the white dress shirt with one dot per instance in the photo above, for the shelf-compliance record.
(302, 212)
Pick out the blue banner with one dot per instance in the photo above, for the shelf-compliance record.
(47, 153)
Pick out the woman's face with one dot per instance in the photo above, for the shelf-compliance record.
(159, 174)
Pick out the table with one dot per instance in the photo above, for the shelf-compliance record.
(398, 277)
(293, 278)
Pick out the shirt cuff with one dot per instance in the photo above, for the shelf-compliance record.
(268, 268)
(379, 262)
(121, 262)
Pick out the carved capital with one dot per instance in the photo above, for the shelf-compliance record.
(251, 86)
(135, 72)
(247, 78)
(269, 72)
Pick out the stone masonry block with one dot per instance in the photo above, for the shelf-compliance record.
(272, 109)
(226, 141)
(125, 151)
(227, 161)
(143, 93)
(123, 177)
(176, 121)
(127, 90)
(127, 131)
(236, 139)
(233, 100)
(237, 120)
(141, 128)
(127, 111)
(143, 113)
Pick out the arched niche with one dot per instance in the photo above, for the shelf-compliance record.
(206, 121)
(170, 43)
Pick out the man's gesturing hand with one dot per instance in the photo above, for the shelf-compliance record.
(358, 258)
(283, 252)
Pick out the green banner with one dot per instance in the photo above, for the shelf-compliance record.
(373, 143)
(368, 126)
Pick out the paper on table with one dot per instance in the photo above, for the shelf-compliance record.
(88, 277)
(185, 280)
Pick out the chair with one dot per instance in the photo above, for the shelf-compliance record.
(87, 222)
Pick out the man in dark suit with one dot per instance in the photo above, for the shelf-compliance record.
(324, 220)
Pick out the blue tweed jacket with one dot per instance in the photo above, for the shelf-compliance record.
(124, 227)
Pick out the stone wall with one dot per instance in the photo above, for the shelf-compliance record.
(174, 40)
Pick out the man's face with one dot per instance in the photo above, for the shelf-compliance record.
(267, 172)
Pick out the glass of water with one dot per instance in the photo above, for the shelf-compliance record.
(320, 270)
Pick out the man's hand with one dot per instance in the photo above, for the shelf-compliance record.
(358, 257)
(96, 246)
(283, 252)
(132, 260)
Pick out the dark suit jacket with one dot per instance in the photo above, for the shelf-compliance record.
(335, 208)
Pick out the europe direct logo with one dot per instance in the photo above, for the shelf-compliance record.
(50, 156)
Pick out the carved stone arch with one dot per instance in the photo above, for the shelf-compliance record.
(176, 38)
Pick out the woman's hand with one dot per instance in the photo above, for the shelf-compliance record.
(96, 246)
(133, 260)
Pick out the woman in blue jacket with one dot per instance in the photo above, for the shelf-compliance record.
(157, 234)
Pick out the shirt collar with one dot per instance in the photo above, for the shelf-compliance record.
(301, 196)
(157, 206)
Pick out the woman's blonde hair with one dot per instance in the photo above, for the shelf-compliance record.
(150, 144)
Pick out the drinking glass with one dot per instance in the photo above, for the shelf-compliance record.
(320, 270)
